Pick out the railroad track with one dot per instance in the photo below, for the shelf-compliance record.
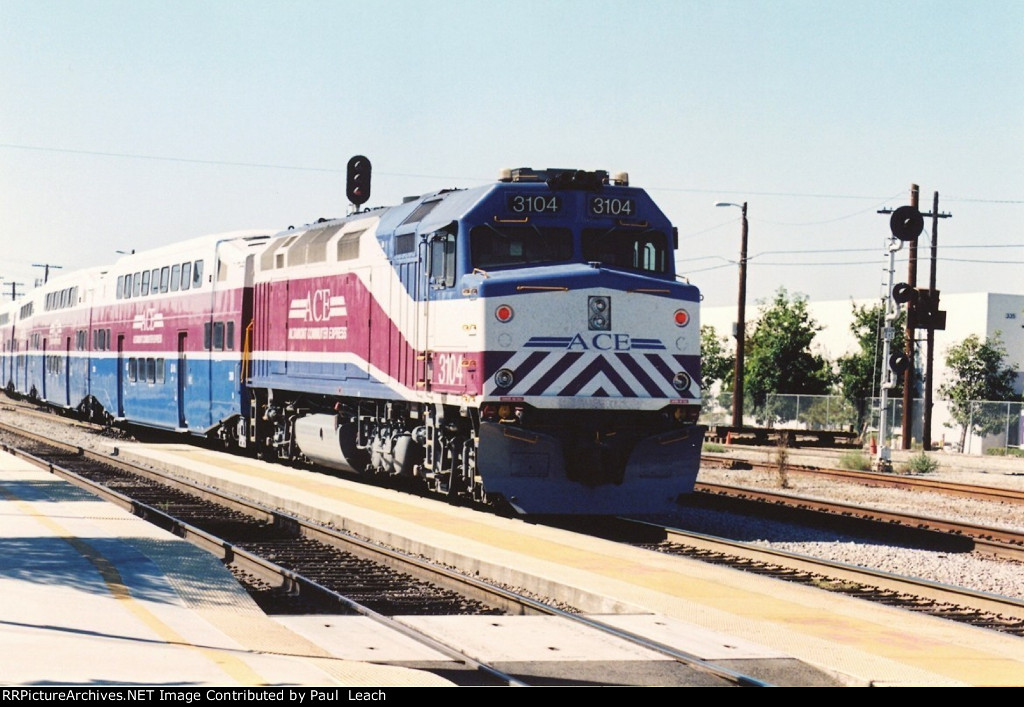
(876, 479)
(987, 611)
(993, 542)
(302, 558)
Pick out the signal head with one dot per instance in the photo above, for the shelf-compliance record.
(357, 184)
(906, 223)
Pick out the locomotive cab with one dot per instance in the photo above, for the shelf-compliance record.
(590, 380)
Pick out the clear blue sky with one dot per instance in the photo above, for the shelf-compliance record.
(134, 124)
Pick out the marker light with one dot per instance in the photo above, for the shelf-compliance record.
(504, 313)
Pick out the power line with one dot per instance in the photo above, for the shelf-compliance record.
(335, 170)
(713, 267)
(791, 263)
(984, 201)
(767, 193)
(221, 163)
(832, 220)
(816, 264)
(987, 262)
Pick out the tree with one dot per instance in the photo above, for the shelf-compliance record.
(978, 374)
(861, 372)
(715, 363)
(778, 355)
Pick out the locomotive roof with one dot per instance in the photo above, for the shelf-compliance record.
(438, 209)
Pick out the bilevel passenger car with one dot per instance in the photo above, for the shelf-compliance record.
(523, 343)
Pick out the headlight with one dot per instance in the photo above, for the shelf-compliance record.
(599, 313)
(504, 378)
(681, 381)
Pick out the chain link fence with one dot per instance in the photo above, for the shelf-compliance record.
(992, 427)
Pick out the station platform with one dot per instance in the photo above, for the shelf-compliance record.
(713, 612)
(91, 595)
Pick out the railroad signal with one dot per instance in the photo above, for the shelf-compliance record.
(928, 314)
(899, 363)
(923, 306)
(906, 223)
(902, 293)
(357, 185)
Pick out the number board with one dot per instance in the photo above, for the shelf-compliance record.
(533, 203)
(611, 206)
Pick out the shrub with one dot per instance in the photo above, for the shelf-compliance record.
(919, 464)
(1005, 452)
(713, 448)
(782, 459)
(856, 461)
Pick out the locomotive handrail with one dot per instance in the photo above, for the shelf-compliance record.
(543, 288)
(246, 352)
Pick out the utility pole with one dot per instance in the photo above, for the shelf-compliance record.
(741, 324)
(929, 371)
(741, 329)
(14, 290)
(908, 375)
(46, 270)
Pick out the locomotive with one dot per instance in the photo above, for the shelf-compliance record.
(526, 343)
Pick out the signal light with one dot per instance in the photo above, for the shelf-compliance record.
(681, 317)
(923, 304)
(903, 293)
(906, 223)
(899, 363)
(504, 313)
(357, 184)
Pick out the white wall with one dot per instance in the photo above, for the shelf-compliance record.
(979, 313)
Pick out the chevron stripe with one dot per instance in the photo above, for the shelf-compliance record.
(594, 374)
(635, 367)
(604, 368)
(562, 363)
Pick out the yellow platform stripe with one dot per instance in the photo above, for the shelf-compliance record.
(237, 669)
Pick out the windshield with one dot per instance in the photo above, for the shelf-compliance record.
(504, 245)
(627, 248)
